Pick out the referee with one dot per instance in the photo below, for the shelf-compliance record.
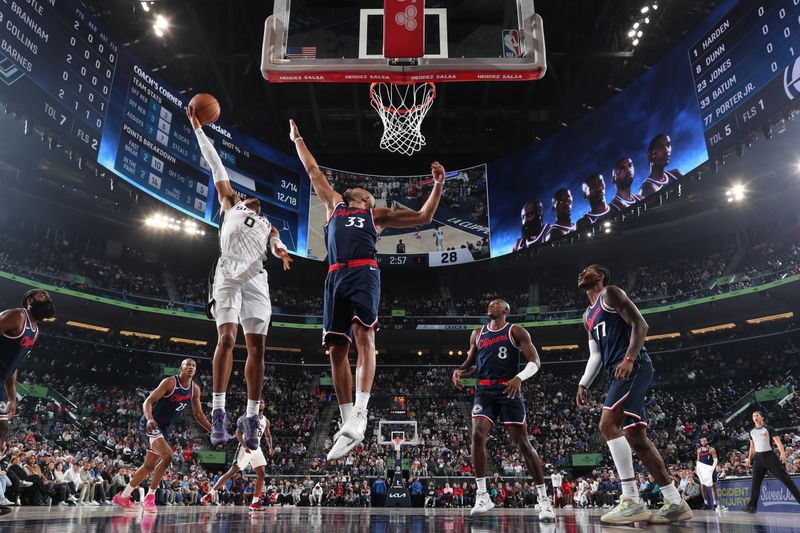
(764, 460)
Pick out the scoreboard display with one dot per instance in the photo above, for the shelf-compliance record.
(746, 70)
(60, 67)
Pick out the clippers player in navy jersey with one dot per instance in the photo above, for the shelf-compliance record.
(707, 472)
(352, 287)
(20, 328)
(239, 291)
(616, 331)
(161, 408)
(623, 179)
(494, 357)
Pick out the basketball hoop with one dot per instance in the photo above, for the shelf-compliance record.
(402, 108)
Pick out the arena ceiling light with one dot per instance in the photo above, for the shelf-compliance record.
(145, 6)
(636, 33)
(139, 335)
(161, 25)
(84, 325)
(736, 193)
(194, 342)
(712, 329)
(662, 336)
(770, 318)
(187, 226)
(560, 348)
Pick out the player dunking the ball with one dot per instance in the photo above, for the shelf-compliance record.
(161, 408)
(616, 332)
(494, 356)
(239, 292)
(352, 287)
(244, 457)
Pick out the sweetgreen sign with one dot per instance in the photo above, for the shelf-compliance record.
(216, 458)
(586, 459)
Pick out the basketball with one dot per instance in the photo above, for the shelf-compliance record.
(206, 108)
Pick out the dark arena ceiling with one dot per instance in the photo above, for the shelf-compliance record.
(215, 46)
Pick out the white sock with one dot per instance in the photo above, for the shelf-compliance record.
(630, 489)
(212, 492)
(255, 499)
(151, 491)
(218, 400)
(252, 407)
(126, 493)
(362, 399)
(481, 484)
(670, 493)
(623, 460)
(542, 491)
(345, 409)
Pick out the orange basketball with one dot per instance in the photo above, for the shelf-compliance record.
(206, 108)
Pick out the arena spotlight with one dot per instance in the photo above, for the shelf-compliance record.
(450, 352)
(460, 352)
(161, 25)
(419, 353)
(145, 6)
(736, 193)
(645, 9)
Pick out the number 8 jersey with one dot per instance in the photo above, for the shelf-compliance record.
(611, 332)
(350, 234)
(498, 355)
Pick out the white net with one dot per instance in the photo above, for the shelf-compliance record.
(402, 108)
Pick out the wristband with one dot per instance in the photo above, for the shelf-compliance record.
(628, 358)
(530, 369)
(298, 139)
(276, 242)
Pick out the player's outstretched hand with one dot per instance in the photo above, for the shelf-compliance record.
(580, 398)
(294, 133)
(192, 117)
(285, 257)
(437, 172)
(512, 387)
(457, 379)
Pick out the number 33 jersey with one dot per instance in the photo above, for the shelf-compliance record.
(350, 234)
(243, 242)
(498, 355)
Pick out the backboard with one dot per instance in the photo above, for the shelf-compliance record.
(344, 41)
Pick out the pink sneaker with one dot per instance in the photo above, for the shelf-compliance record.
(149, 504)
(206, 499)
(124, 502)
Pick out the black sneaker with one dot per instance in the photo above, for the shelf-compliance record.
(748, 509)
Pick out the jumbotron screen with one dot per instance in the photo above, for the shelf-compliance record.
(723, 81)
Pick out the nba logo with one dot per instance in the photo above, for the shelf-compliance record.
(791, 80)
(511, 43)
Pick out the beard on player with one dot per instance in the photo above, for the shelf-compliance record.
(358, 197)
(532, 218)
(623, 174)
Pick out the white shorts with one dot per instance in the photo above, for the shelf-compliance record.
(706, 474)
(242, 302)
(255, 458)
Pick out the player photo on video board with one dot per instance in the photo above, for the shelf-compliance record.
(461, 221)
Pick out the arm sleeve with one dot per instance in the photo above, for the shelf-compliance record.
(212, 157)
(592, 365)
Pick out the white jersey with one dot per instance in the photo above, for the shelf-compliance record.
(439, 237)
(243, 241)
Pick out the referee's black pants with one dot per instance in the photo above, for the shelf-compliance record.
(764, 462)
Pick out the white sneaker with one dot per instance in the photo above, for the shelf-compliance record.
(567, 507)
(63, 504)
(94, 503)
(6, 501)
(82, 503)
(356, 425)
(546, 512)
(483, 504)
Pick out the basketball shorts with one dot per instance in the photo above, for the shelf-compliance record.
(629, 395)
(492, 403)
(242, 302)
(254, 459)
(351, 294)
(147, 437)
(3, 404)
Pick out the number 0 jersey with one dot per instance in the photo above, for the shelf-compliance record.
(350, 233)
(498, 354)
(166, 409)
(611, 333)
(243, 242)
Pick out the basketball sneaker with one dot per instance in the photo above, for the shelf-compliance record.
(206, 499)
(124, 502)
(219, 427)
(149, 504)
(672, 512)
(546, 510)
(249, 431)
(627, 512)
(256, 507)
(483, 504)
(350, 436)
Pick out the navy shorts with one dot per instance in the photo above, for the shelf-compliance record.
(351, 294)
(630, 394)
(147, 437)
(3, 404)
(492, 403)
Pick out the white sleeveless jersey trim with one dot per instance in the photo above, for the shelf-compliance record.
(244, 241)
(594, 216)
(530, 242)
(624, 202)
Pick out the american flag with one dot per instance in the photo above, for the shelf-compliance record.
(301, 52)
